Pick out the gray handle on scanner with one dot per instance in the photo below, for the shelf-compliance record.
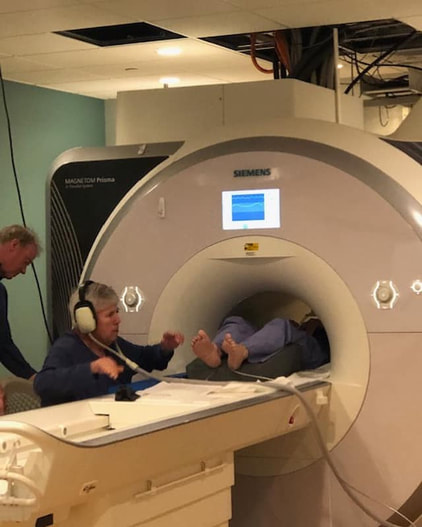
(203, 473)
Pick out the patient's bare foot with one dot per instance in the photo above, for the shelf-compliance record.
(206, 350)
(237, 353)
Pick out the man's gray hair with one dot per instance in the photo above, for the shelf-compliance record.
(24, 235)
(100, 296)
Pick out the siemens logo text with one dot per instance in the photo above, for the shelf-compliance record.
(252, 172)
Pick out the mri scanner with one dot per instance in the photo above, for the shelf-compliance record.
(320, 216)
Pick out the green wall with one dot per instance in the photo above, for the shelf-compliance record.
(44, 124)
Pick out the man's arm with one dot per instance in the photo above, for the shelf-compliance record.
(10, 356)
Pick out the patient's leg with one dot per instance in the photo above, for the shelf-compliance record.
(271, 338)
(237, 353)
(239, 329)
(206, 350)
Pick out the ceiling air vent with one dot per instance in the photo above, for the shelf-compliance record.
(120, 34)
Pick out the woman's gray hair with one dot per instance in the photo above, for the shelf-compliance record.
(99, 295)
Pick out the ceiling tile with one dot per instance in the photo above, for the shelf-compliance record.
(262, 4)
(11, 65)
(47, 78)
(40, 43)
(56, 19)
(227, 24)
(11, 6)
(130, 53)
(154, 11)
(220, 58)
(73, 59)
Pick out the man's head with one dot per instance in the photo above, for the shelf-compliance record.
(19, 246)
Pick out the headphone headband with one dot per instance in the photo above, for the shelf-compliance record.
(83, 289)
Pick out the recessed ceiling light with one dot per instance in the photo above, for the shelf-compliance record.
(169, 80)
(169, 51)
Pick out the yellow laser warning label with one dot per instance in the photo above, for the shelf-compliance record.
(251, 246)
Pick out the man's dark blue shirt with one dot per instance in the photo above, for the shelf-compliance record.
(10, 356)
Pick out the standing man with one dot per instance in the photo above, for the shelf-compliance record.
(18, 247)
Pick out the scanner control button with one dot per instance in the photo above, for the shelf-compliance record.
(416, 287)
(384, 294)
(131, 299)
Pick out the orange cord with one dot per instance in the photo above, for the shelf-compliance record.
(253, 56)
(282, 49)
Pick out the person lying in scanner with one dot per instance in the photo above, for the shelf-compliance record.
(241, 342)
(78, 364)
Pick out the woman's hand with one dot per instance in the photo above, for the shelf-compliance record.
(171, 339)
(107, 366)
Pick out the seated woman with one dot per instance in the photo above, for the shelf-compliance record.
(241, 341)
(79, 366)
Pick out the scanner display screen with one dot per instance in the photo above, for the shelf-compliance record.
(251, 209)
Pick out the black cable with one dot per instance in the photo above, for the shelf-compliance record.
(15, 175)
(392, 65)
(312, 59)
(50, 338)
(379, 59)
(409, 66)
(353, 59)
(276, 69)
(378, 80)
(12, 156)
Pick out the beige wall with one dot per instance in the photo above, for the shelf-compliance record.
(172, 114)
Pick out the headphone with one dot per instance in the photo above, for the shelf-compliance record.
(84, 311)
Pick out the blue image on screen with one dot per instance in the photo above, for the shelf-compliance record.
(248, 207)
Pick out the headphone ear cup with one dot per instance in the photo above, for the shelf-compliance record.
(85, 318)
